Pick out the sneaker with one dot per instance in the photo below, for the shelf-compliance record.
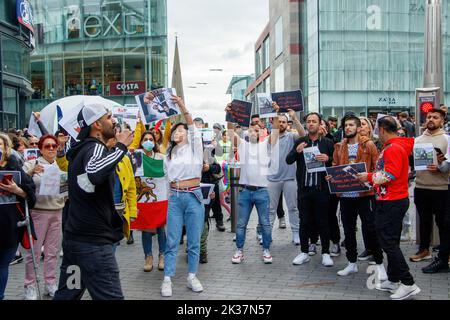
(422, 254)
(161, 262)
(259, 238)
(30, 292)
(220, 227)
(371, 260)
(234, 239)
(381, 273)
(436, 266)
(238, 257)
(326, 260)
(166, 288)
(404, 292)
(130, 239)
(365, 256)
(387, 286)
(50, 289)
(203, 258)
(282, 223)
(148, 266)
(312, 251)
(17, 259)
(436, 248)
(335, 250)
(349, 269)
(194, 284)
(61, 253)
(267, 258)
(301, 259)
(296, 238)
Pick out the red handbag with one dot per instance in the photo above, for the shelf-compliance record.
(25, 241)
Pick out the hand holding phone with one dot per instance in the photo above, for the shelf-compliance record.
(7, 178)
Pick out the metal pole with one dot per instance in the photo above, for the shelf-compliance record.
(234, 184)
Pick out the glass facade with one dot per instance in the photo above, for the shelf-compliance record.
(116, 49)
(367, 55)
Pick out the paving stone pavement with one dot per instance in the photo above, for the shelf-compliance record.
(252, 279)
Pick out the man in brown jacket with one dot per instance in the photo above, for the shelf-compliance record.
(357, 149)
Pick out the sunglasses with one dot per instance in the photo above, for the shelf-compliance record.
(34, 143)
(50, 146)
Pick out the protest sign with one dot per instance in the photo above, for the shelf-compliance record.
(130, 116)
(240, 113)
(265, 105)
(157, 104)
(207, 190)
(69, 120)
(137, 162)
(5, 176)
(289, 100)
(313, 165)
(207, 135)
(424, 155)
(344, 178)
(31, 154)
(50, 181)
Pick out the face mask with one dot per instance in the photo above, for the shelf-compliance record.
(148, 145)
(1, 155)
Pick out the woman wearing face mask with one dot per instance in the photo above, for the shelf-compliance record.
(183, 166)
(150, 147)
(47, 215)
(11, 213)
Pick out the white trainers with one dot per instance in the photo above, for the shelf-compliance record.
(166, 288)
(50, 289)
(326, 260)
(301, 259)
(296, 238)
(404, 292)
(194, 284)
(335, 250)
(30, 292)
(387, 286)
(238, 257)
(381, 273)
(312, 251)
(349, 269)
(267, 258)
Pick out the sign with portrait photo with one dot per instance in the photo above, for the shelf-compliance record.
(5, 177)
(157, 104)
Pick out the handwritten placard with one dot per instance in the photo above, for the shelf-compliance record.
(289, 100)
(345, 180)
(240, 113)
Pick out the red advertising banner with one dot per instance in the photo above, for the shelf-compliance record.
(117, 88)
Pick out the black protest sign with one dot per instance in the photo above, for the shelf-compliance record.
(344, 178)
(289, 100)
(240, 113)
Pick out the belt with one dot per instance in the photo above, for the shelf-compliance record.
(189, 189)
(251, 188)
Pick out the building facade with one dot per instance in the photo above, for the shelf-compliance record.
(238, 86)
(15, 48)
(113, 48)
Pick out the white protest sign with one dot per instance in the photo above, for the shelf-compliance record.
(50, 181)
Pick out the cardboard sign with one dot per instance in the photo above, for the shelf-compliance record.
(344, 178)
(240, 113)
(289, 100)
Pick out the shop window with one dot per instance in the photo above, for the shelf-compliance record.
(38, 79)
(93, 76)
(9, 100)
(113, 74)
(74, 80)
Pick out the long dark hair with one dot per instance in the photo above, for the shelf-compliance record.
(156, 147)
(172, 143)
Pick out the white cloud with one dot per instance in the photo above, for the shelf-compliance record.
(214, 34)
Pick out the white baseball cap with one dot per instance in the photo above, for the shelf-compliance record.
(87, 116)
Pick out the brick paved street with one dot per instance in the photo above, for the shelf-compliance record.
(252, 279)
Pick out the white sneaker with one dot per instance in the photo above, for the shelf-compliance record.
(387, 286)
(381, 273)
(404, 292)
(349, 269)
(335, 250)
(166, 288)
(50, 289)
(301, 259)
(61, 254)
(326, 260)
(267, 258)
(282, 223)
(312, 251)
(30, 292)
(296, 238)
(194, 284)
(238, 257)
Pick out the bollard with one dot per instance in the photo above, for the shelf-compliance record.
(234, 185)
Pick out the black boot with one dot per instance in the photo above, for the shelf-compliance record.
(220, 226)
(203, 258)
(131, 239)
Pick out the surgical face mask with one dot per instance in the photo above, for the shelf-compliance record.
(148, 145)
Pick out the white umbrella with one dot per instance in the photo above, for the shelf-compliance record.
(69, 107)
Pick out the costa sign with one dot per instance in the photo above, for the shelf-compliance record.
(118, 88)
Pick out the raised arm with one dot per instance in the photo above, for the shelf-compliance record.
(232, 136)
(275, 133)
(297, 124)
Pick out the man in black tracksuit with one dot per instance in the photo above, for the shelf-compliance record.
(91, 223)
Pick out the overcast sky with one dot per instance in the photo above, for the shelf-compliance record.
(213, 34)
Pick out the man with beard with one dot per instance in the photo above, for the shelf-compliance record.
(91, 222)
(356, 149)
(430, 193)
(313, 193)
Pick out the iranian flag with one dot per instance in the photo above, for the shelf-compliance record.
(151, 192)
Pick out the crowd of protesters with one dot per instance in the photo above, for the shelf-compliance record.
(103, 195)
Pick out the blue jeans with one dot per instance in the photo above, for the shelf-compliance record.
(248, 199)
(99, 272)
(147, 242)
(185, 208)
(6, 256)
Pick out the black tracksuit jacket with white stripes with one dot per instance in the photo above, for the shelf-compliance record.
(91, 216)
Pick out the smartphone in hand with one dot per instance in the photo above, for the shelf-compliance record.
(7, 178)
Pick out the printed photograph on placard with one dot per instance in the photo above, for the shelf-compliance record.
(31, 154)
(265, 105)
(424, 155)
(137, 162)
(157, 104)
(313, 165)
